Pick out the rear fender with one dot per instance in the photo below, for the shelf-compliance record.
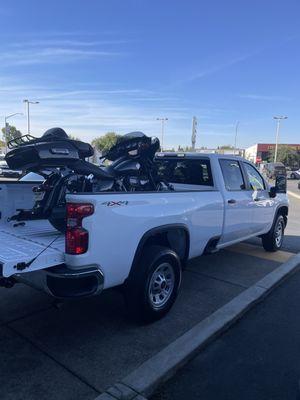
(171, 235)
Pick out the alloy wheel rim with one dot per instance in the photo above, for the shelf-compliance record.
(161, 285)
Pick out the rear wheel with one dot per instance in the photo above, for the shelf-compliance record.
(272, 241)
(293, 176)
(153, 288)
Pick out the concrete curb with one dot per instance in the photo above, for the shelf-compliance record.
(149, 375)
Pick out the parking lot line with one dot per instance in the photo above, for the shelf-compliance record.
(293, 194)
(257, 251)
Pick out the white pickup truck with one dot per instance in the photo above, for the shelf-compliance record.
(140, 241)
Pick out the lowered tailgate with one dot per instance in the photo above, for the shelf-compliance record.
(34, 246)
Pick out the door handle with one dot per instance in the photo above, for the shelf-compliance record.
(231, 201)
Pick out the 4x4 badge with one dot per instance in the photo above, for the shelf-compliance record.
(114, 203)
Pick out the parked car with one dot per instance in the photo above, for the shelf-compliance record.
(140, 241)
(272, 170)
(7, 172)
(293, 174)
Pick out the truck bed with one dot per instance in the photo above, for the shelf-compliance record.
(21, 244)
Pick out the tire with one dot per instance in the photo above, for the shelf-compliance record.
(293, 176)
(272, 241)
(153, 287)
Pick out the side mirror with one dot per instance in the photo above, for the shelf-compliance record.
(272, 192)
(281, 184)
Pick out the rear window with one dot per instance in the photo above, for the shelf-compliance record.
(232, 175)
(190, 172)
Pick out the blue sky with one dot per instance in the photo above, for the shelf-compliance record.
(97, 66)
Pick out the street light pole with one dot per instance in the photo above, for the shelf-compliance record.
(163, 120)
(278, 120)
(236, 134)
(6, 126)
(27, 112)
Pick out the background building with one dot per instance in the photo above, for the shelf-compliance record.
(261, 152)
(220, 150)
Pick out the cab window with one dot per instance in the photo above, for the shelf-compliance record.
(255, 179)
(232, 174)
(189, 172)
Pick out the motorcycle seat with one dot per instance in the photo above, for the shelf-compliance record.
(86, 168)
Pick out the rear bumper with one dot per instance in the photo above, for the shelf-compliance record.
(65, 283)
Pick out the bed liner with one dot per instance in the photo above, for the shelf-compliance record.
(20, 244)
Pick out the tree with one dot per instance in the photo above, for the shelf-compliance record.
(185, 148)
(72, 137)
(11, 133)
(106, 141)
(226, 147)
(2, 144)
(286, 155)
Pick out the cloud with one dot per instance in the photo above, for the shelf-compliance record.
(90, 93)
(58, 49)
(233, 61)
(64, 42)
(57, 33)
(89, 113)
(51, 55)
(219, 67)
(214, 69)
(263, 97)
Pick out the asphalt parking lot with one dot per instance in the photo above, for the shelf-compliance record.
(79, 349)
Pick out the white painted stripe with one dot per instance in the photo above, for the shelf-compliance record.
(294, 195)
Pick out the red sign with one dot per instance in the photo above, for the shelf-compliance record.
(271, 146)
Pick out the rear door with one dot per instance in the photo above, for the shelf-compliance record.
(237, 217)
(202, 206)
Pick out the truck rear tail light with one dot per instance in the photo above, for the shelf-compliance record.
(77, 241)
(77, 238)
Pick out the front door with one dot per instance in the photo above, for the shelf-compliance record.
(237, 203)
(262, 205)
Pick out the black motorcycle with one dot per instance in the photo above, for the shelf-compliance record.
(61, 161)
